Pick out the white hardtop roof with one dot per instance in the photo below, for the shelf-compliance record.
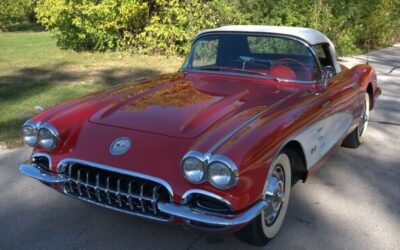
(309, 35)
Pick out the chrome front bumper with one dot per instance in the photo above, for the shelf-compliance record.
(198, 219)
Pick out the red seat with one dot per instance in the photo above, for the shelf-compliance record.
(282, 71)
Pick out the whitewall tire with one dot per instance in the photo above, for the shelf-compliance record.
(266, 226)
(356, 137)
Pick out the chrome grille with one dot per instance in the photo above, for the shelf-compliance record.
(121, 192)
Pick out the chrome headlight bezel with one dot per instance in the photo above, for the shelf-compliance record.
(33, 128)
(206, 166)
(49, 140)
(225, 165)
(194, 178)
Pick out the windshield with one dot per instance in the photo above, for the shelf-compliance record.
(277, 57)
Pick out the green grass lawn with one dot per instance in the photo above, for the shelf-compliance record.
(35, 72)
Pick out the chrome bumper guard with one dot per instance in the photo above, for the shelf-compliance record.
(183, 212)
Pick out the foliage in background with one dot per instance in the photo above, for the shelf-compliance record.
(172, 24)
(91, 25)
(16, 11)
(167, 26)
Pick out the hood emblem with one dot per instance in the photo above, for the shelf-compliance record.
(120, 146)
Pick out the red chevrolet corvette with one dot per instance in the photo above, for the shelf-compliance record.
(217, 145)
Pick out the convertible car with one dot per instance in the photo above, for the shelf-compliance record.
(217, 145)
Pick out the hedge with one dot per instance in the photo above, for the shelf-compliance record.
(166, 27)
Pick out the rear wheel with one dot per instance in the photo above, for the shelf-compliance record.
(355, 138)
(265, 226)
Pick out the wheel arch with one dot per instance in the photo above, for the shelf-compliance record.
(299, 168)
(370, 92)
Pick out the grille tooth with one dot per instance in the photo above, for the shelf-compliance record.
(79, 182)
(97, 189)
(141, 197)
(107, 190)
(87, 185)
(126, 193)
(118, 192)
(154, 199)
(70, 177)
(130, 195)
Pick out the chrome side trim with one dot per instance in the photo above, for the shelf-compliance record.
(187, 194)
(35, 172)
(186, 213)
(61, 168)
(244, 124)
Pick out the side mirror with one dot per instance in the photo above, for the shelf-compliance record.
(327, 73)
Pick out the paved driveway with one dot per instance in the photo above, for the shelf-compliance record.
(353, 202)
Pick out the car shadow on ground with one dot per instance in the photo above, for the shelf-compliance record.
(70, 223)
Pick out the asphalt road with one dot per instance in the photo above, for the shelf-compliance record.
(353, 202)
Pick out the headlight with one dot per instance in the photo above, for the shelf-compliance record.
(30, 134)
(220, 175)
(48, 137)
(193, 169)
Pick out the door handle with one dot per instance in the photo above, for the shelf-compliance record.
(327, 104)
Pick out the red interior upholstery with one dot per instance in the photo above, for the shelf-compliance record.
(282, 71)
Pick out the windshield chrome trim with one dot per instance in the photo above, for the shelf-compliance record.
(248, 75)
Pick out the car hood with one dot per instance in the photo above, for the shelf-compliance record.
(182, 105)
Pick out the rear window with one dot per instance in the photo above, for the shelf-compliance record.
(275, 45)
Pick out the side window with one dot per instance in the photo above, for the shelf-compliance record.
(320, 52)
(324, 56)
(205, 53)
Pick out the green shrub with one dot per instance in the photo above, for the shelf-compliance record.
(174, 23)
(166, 27)
(15, 11)
(90, 24)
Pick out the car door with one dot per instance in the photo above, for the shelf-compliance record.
(342, 97)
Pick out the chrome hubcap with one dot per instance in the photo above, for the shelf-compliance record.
(363, 121)
(274, 195)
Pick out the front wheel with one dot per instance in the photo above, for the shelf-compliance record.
(277, 192)
(355, 138)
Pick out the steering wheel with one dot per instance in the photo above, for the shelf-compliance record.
(307, 72)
